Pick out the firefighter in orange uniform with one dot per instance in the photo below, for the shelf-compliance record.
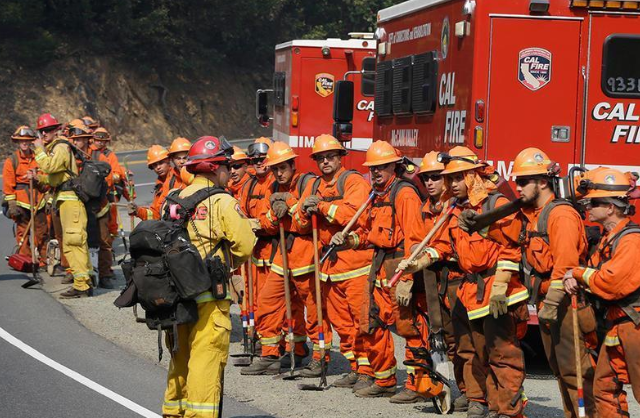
(178, 152)
(335, 197)
(394, 225)
(158, 161)
(18, 169)
(283, 205)
(613, 274)
(253, 200)
(491, 291)
(449, 278)
(238, 171)
(101, 141)
(553, 242)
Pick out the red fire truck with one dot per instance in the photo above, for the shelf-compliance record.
(498, 76)
(306, 72)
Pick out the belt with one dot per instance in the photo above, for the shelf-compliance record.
(478, 278)
(444, 267)
(22, 186)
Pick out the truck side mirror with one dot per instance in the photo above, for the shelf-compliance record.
(343, 111)
(262, 107)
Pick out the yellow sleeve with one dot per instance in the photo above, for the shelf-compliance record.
(58, 162)
(236, 229)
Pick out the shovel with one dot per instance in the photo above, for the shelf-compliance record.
(287, 297)
(578, 359)
(243, 359)
(36, 279)
(323, 362)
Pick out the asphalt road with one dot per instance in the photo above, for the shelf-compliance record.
(52, 366)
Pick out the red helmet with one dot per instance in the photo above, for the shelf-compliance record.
(207, 154)
(47, 120)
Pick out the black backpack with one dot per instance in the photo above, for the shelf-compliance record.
(166, 273)
(90, 184)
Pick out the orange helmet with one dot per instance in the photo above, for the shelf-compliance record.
(605, 182)
(187, 178)
(23, 133)
(325, 143)
(458, 159)
(179, 145)
(263, 140)
(101, 134)
(156, 153)
(532, 162)
(238, 154)
(90, 122)
(381, 152)
(430, 163)
(279, 152)
(77, 129)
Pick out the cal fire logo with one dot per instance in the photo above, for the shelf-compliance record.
(534, 68)
(324, 84)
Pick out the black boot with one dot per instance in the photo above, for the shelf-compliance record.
(262, 366)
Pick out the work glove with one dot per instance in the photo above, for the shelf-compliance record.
(549, 312)
(341, 240)
(417, 264)
(279, 196)
(498, 296)
(280, 208)
(403, 292)
(132, 208)
(466, 220)
(12, 211)
(310, 204)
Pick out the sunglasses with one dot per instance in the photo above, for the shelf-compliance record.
(431, 177)
(258, 160)
(524, 181)
(328, 157)
(380, 167)
(237, 166)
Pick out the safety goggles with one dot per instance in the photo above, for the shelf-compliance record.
(256, 149)
(77, 132)
(101, 136)
(328, 157)
(445, 158)
(25, 132)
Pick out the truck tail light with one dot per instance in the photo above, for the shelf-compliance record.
(295, 103)
(478, 137)
(294, 119)
(630, 5)
(614, 4)
(479, 111)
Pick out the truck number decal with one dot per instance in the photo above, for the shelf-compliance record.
(620, 112)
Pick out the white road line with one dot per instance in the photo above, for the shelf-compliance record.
(77, 376)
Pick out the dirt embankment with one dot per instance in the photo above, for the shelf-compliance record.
(140, 107)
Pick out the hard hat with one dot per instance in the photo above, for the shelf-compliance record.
(47, 120)
(427, 386)
(259, 147)
(179, 145)
(101, 134)
(207, 153)
(278, 153)
(90, 122)
(238, 155)
(77, 129)
(458, 159)
(23, 133)
(156, 153)
(187, 178)
(381, 152)
(532, 162)
(605, 182)
(430, 163)
(325, 143)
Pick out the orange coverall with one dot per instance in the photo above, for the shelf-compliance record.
(452, 310)
(388, 240)
(613, 278)
(271, 302)
(495, 341)
(16, 188)
(567, 249)
(344, 274)
(161, 190)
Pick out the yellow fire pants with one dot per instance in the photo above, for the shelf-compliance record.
(73, 217)
(195, 370)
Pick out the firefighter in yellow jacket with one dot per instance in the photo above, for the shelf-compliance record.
(196, 370)
(56, 160)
